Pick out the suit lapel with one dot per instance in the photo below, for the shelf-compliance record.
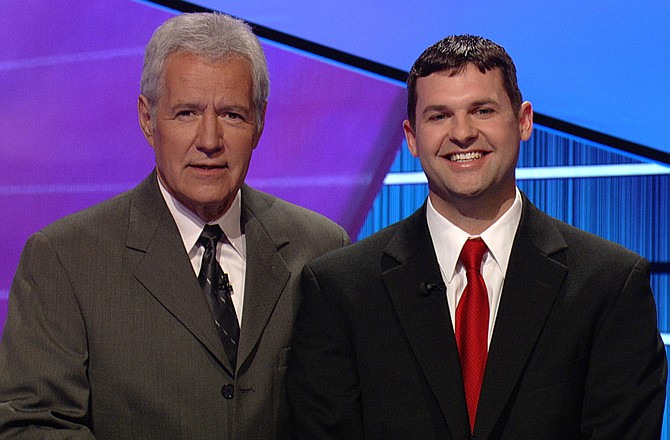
(160, 263)
(534, 277)
(267, 273)
(409, 260)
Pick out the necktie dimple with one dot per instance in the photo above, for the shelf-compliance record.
(472, 325)
(217, 289)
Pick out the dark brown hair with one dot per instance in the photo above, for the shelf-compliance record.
(452, 54)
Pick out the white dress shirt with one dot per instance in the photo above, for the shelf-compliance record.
(231, 251)
(448, 241)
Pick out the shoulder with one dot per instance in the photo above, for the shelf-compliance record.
(582, 248)
(97, 219)
(587, 247)
(365, 255)
(277, 215)
(89, 236)
(115, 211)
(108, 220)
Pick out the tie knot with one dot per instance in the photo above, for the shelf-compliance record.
(210, 236)
(472, 253)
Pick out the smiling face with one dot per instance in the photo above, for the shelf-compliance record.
(204, 130)
(467, 138)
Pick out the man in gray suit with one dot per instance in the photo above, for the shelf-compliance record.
(111, 332)
(478, 316)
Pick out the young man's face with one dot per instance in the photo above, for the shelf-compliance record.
(467, 136)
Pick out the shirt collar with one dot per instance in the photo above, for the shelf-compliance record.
(190, 225)
(448, 239)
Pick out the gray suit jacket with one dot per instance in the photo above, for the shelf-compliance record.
(108, 334)
(575, 352)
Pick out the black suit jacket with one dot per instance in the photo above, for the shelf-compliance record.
(109, 336)
(575, 351)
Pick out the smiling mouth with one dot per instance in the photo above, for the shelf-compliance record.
(466, 157)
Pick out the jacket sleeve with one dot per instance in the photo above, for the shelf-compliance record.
(624, 393)
(322, 380)
(44, 391)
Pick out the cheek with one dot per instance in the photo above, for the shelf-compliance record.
(432, 135)
(240, 146)
(242, 156)
(428, 145)
(172, 146)
(163, 155)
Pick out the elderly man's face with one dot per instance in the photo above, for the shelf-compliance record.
(204, 130)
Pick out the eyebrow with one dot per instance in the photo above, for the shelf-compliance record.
(488, 101)
(435, 108)
(234, 108)
(185, 105)
(446, 108)
(188, 105)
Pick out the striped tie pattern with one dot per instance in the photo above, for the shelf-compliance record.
(217, 290)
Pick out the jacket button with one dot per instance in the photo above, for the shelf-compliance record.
(228, 391)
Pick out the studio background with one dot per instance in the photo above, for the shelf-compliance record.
(598, 159)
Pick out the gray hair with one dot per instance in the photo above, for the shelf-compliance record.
(211, 35)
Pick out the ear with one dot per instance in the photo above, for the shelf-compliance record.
(259, 129)
(526, 120)
(146, 123)
(410, 137)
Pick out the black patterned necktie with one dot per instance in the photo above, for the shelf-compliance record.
(217, 289)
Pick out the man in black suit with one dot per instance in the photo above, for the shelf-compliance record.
(123, 323)
(478, 316)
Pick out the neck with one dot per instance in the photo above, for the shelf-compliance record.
(213, 212)
(473, 215)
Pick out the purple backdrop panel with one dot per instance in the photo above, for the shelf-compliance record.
(77, 124)
(330, 136)
(70, 136)
(69, 79)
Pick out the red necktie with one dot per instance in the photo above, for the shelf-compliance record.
(472, 325)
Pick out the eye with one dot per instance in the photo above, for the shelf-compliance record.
(233, 117)
(437, 117)
(184, 114)
(484, 111)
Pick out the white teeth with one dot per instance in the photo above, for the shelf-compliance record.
(465, 157)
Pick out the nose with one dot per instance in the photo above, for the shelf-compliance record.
(209, 137)
(462, 131)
